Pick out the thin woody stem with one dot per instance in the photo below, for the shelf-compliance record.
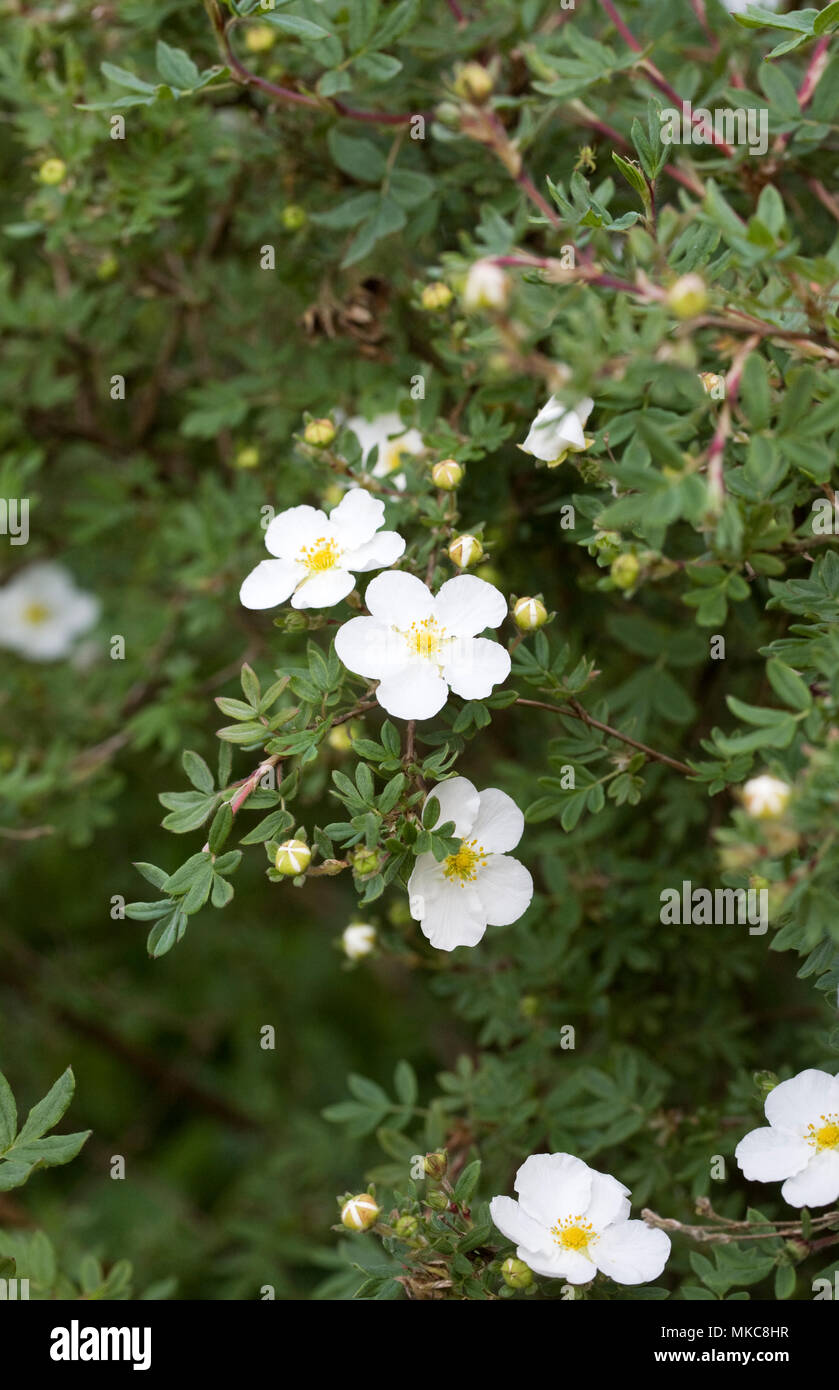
(244, 75)
(658, 79)
(576, 711)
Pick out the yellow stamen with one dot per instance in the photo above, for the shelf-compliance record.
(574, 1234)
(827, 1135)
(464, 865)
(424, 638)
(323, 555)
(36, 613)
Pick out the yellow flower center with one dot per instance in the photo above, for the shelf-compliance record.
(322, 555)
(827, 1135)
(574, 1234)
(390, 456)
(424, 638)
(36, 613)
(464, 865)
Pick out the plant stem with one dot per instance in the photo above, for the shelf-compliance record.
(576, 711)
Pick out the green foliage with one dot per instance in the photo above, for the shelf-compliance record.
(250, 255)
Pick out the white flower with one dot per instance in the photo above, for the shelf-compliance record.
(486, 287)
(393, 440)
(358, 940)
(558, 431)
(42, 612)
(801, 1143)
(766, 797)
(418, 645)
(318, 557)
(571, 1221)
(457, 899)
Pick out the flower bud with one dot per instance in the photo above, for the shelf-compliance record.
(339, 739)
(52, 171)
(465, 551)
(259, 38)
(406, 1227)
(473, 83)
(766, 797)
(486, 287)
(107, 267)
(529, 1005)
(765, 1081)
(447, 475)
(293, 217)
(247, 456)
(688, 296)
(516, 1274)
(435, 1165)
(365, 861)
(713, 385)
(436, 296)
(625, 570)
(437, 1201)
(319, 433)
(360, 1213)
(529, 614)
(293, 857)
(358, 940)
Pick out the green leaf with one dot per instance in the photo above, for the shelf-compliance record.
(197, 771)
(467, 1182)
(48, 1111)
(356, 155)
(293, 24)
(176, 68)
(8, 1114)
(788, 685)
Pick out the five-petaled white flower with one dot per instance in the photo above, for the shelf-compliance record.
(558, 431)
(571, 1221)
(42, 612)
(455, 900)
(418, 645)
(766, 797)
(393, 440)
(801, 1143)
(317, 556)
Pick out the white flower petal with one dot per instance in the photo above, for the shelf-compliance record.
(382, 550)
(795, 1104)
(632, 1252)
(474, 665)
(552, 1187)
(817, 1185)
(460, 802)
(292, 529)
(272, 582)
(609, 1202)
(514, 1223)
(559, 1264)
(426, 882)
(323, 588)
(505, 889)
(454, 917)
(357, 517)
(399, 599)
(466, 605)
(499, 824)
(770, 1155)
(368, 648)
(414, 691)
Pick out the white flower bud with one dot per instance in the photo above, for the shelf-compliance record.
(293, 857)
(358, 940)
(465, 551)
(487, 287)
(360, 1213)
(530, 613)
(766, 797)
